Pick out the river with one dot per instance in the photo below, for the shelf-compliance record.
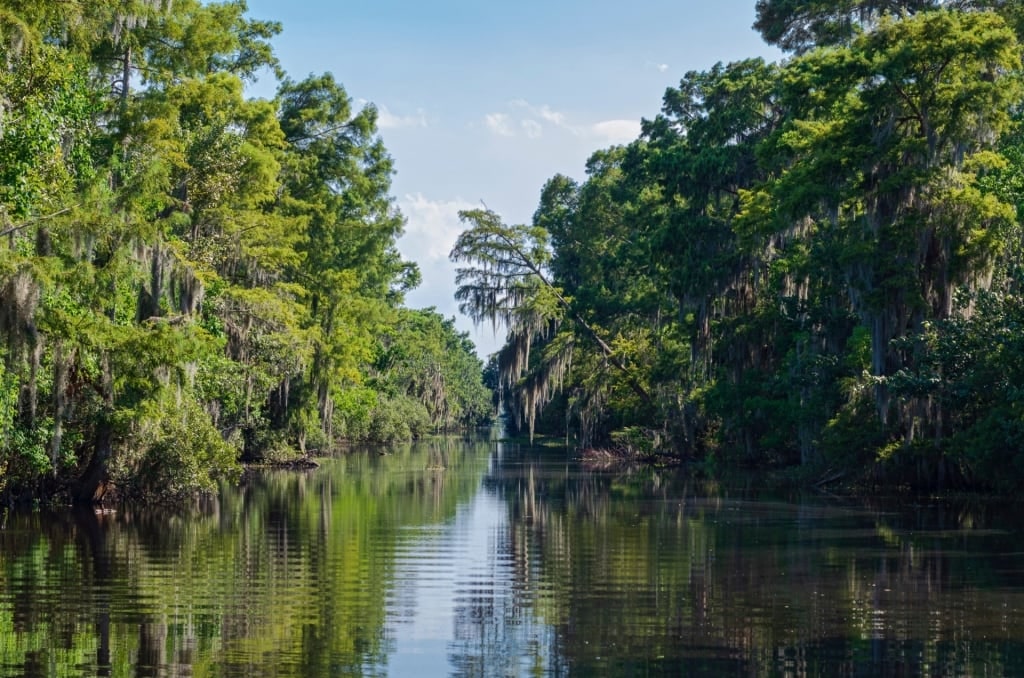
(473, 557)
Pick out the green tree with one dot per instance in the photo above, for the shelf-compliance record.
(425, 359)
(187, 274)
(895, 131)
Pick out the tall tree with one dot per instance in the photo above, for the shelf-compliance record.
(187, 273)
(885, 146)
(337, 180)
(801, 25)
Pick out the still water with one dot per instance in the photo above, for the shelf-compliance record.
(479, 558)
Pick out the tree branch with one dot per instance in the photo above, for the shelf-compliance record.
(608, 351)
(36, 220)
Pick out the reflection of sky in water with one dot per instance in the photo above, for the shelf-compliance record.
(420, 563)
(455, 595)
(457, 607)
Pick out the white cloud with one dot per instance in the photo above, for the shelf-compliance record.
(431, 226)
(603, 132)
(388, 120)
(615, 131)
(554, 117)
(544, 112)
(531, 128)
(500, 124)
(662, 68)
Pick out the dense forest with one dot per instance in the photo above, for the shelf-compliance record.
(191, 277)
(815, 264)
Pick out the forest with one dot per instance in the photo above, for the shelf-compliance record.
(190, 277)
(813, 265)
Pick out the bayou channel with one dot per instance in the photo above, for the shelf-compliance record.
(473, 556)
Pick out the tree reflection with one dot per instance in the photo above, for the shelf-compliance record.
(288, 574)
(633, 571)
(649, 571)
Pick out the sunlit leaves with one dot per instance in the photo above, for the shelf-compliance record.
(172, 241)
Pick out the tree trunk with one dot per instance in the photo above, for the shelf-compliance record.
(94, 483)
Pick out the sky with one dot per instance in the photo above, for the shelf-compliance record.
(482, 101)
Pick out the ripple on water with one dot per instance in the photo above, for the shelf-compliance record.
(507, 565)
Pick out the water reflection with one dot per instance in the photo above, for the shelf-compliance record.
(477, 558)
(649, 573)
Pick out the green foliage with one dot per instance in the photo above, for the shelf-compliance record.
(777, 262)
(424, 358)
(45, 145)
(174, 449)
(973, 368)
(801, 25)
(354, 410)
(190, 277)
(399, 418)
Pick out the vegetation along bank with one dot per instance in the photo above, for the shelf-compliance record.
(190, 277)
(813, 264)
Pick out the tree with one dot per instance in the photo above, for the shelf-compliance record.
(423, 358)
(337, 177)
(891, 131)
(187, 275)
(804, 246)
(506, 283)
(801, 25)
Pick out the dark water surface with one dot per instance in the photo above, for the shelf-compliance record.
(477, 558)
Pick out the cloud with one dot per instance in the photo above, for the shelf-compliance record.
(500, 124)
(616, 131)
(662, 68)
(554, 117)
(532, 121)
(544, 112)
(431, 226)
(388, 120)
(532, 128)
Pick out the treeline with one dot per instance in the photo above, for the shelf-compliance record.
(816, 263)
(188, 276)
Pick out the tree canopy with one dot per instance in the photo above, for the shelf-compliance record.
(190, 276)
(800, 262)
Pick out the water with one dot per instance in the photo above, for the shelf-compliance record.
(484, 559)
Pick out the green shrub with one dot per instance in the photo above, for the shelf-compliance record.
(175, 451)
(398, 419)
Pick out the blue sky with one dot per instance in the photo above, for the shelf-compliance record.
(484, 101)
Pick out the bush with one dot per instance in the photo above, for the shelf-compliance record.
(353, 412)
(176, 450)
(398, 419)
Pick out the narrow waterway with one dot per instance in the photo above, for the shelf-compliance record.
(480, 558)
